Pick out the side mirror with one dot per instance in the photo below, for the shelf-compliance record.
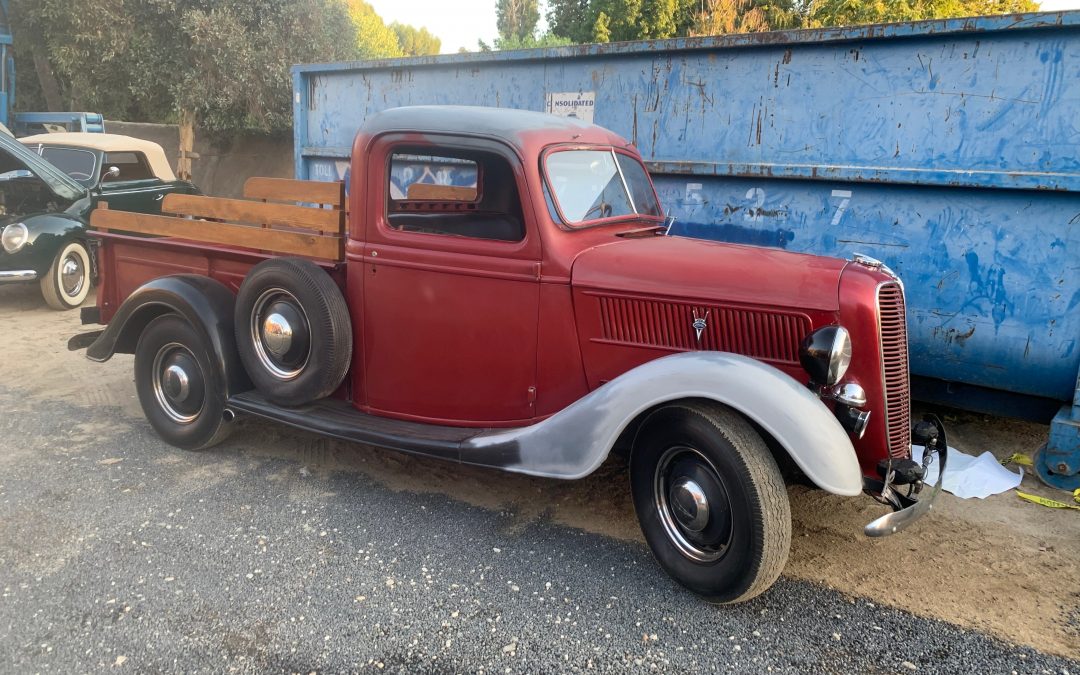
(113, 172)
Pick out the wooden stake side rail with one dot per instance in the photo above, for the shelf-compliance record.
(256, 213)
(331, 194)
(304, 244)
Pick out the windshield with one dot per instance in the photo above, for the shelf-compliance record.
(79, 164)
(590, 185)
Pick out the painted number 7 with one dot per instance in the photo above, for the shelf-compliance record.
(845, 199)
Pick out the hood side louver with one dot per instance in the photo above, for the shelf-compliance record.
(761, 334)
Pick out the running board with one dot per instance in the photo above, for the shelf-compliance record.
(339, 419)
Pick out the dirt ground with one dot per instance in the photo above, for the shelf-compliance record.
(1000, 565)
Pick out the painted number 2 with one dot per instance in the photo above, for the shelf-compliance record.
(757, 199)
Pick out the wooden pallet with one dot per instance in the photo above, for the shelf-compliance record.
(281, 226)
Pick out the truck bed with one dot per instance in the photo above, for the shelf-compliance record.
(219, 238)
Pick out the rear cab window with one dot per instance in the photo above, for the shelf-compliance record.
(453, 193)
(590, 186)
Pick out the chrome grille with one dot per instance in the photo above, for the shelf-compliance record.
(766, 335)
(894, 362)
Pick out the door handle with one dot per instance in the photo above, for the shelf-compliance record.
(159, 198)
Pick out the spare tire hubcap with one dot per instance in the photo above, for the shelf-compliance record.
(280, 333)
(277, 334)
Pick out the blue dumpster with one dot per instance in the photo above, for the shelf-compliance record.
(948, 149)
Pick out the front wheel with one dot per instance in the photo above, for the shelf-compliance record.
(67, 282)
(181, 388)
(711, 501)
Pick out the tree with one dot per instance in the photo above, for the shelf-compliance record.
(571, 19)
(226, 62)
(374, 38)
(613, 20)
(517, 22)
(729, 16)
(416, 41)
(854, 12)
(517, 18)
(608, 20)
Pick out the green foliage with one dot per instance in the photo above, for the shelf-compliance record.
(541, 41)
(373, 37)
(517, 19)
(572, 19)
(416, 41)
(611, 20)
(145, 60)
(517, 22)
(852, 12)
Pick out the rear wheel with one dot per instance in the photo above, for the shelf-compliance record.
(711, 501)
(67, 283)
(180, 387)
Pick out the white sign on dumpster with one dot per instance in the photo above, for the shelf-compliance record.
(579, 104)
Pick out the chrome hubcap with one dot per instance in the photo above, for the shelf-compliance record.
(693, 504)
(71, 274)
(277, 334)
(689, 504)
(178, 383)
(280, 334)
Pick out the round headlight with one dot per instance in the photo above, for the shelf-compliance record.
(826, 354)
(14, 237)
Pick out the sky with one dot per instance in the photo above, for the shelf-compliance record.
(460, 23)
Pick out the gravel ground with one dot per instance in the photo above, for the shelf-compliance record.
(118, 552)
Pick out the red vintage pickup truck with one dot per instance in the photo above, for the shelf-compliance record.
(499, 289)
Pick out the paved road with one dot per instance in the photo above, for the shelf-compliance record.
(119, 553)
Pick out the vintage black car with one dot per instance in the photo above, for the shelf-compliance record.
(48, 186)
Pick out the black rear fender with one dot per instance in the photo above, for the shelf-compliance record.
(203, 302)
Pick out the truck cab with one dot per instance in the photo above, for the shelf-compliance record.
(504, 293)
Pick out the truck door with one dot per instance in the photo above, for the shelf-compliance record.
(451, 289)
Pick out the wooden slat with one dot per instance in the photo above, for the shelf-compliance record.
(289, 190)
(274, 241)
(256, 213)
(442, 193)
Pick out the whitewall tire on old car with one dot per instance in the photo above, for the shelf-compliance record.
(67, 282)
(711, 501)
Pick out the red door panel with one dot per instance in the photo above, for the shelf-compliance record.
(449, 337)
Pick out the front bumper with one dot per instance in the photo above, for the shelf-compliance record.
(912, 506)
(13, 276)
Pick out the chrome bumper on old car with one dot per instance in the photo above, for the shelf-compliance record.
(11, 276)
(896, 474)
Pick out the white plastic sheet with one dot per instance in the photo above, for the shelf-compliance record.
(967, 476)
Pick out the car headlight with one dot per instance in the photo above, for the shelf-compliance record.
(15, 237)
(826, 354)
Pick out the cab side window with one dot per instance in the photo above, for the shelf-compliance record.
(459, 194)
(132, 166)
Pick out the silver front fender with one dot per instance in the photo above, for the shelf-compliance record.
(576, 440)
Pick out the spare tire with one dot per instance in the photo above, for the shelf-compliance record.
(293, 331)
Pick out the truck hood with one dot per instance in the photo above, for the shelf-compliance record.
(14, 156)
(680, 267)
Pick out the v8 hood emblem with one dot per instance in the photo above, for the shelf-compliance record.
(700, 323)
